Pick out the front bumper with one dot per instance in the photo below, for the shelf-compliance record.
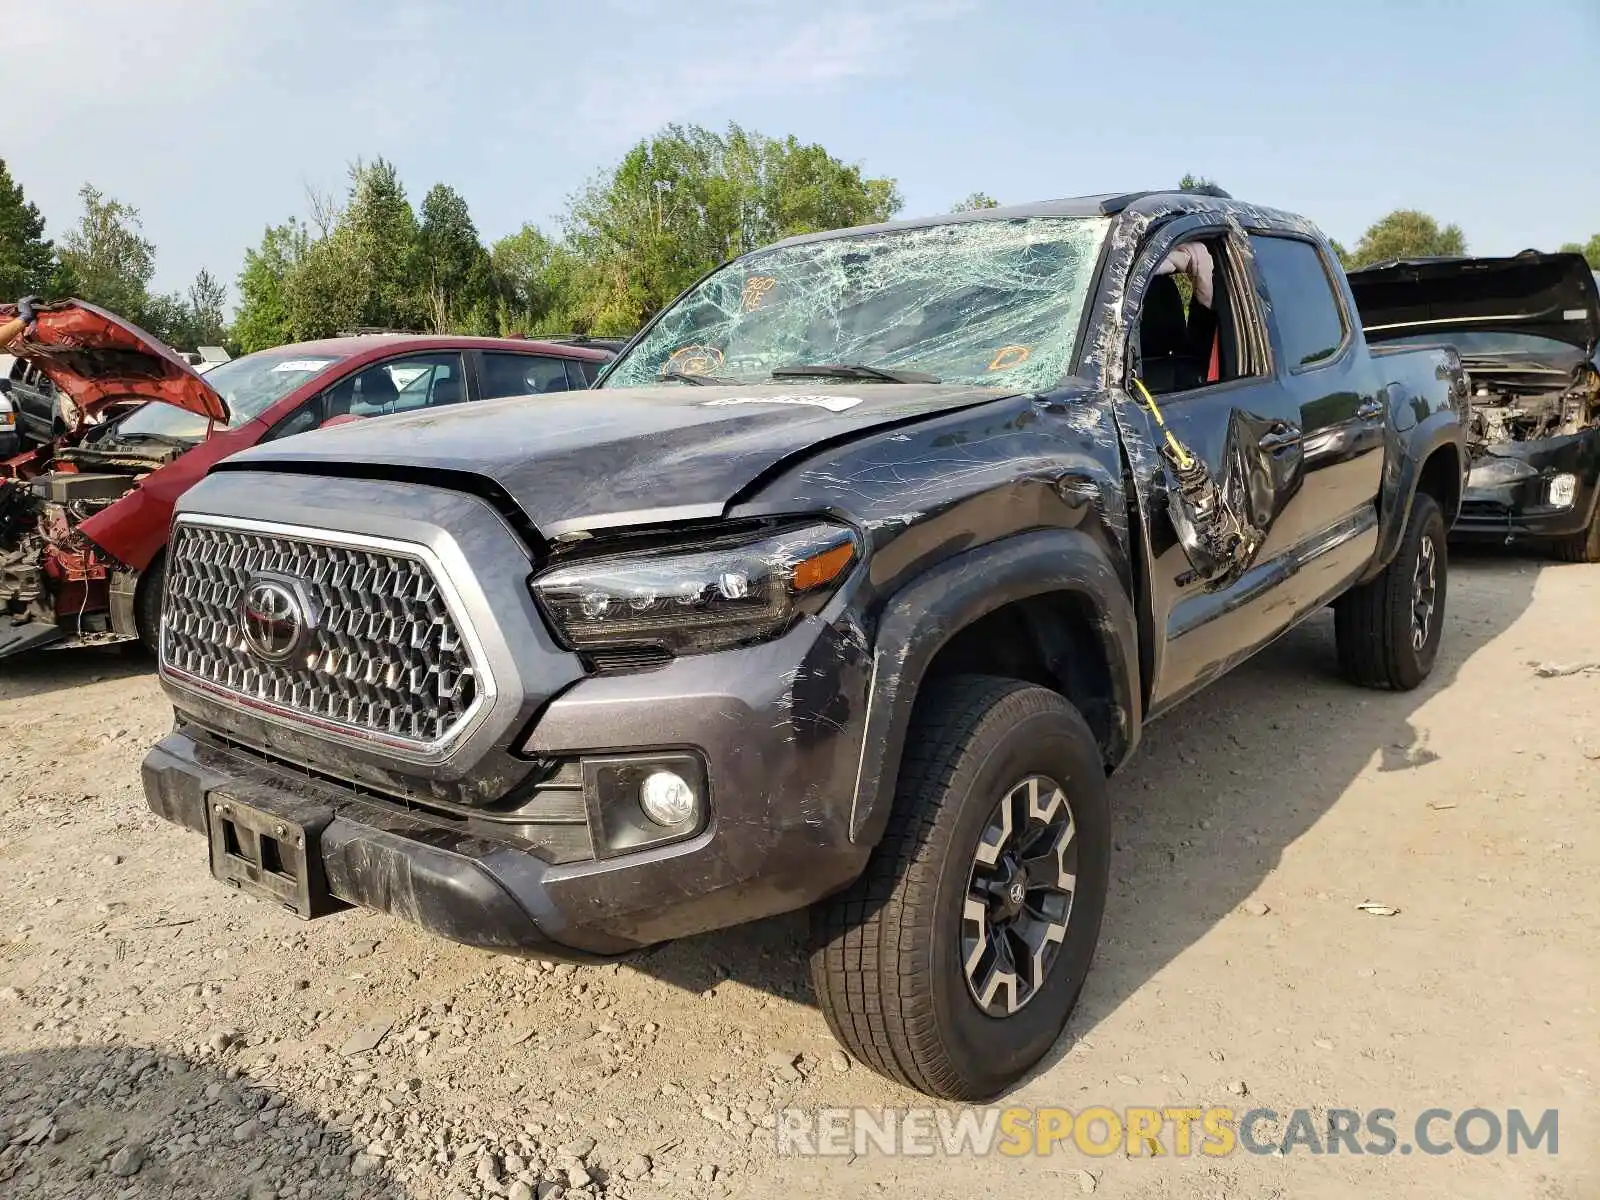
(769, 722)
(1520, 510)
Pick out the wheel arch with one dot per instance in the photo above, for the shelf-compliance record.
(1432, 460)
(1047, 606)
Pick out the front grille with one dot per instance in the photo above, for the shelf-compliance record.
(379, 654)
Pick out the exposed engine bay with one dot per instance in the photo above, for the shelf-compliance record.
(1527, 403)
(53, 581)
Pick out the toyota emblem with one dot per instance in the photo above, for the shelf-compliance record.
(274, 618)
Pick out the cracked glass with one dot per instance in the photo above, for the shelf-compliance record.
(987, 303)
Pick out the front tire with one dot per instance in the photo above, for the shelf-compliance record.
(1583, 546)
(953, 963)
(147, 604)
(1388, 630)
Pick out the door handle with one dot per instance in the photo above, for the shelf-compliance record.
(1280, 437)
(1370, 410)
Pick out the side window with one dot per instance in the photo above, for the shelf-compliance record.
(1193, 331)
(583, 372)
(1304, 308)
(399, 385)
(522, 375)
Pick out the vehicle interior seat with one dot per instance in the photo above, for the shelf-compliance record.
(1167, 360)
(339, 399)
(447, 389)
(377, 393)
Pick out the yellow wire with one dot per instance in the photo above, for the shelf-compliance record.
(1185, 460)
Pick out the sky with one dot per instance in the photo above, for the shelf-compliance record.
(214, 117)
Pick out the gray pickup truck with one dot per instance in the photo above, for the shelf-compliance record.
(866, 563)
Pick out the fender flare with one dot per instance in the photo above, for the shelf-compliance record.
(1439, 431)
(926, 613)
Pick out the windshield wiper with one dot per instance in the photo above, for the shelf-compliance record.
(853, 371)
(691, 377)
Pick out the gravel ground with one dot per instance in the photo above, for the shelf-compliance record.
(163, 1037)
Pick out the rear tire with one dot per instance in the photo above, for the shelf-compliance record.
(900, 958)
(1388, 630)
(1583, 546)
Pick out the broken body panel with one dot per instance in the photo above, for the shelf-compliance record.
(1528, 329)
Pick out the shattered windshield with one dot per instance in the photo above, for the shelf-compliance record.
(250, 385)
(991, 303)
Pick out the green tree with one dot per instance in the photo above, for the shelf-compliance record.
(976, 200)
(263, 317)
(1338, 249)
(208, 299)
(1197, 183)
(379, 233)
(326, 291)
(1407, 233)
(368, 270)
(186, 320)
(1590, 250)
(167, 317)
(27, 258)
(460, 284)
(110, 259)
(689, 198)
(537, 281)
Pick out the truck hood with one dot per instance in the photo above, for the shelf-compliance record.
(98, 359)
(606, 458)
(1546, 295)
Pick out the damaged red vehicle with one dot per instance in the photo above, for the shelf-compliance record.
(83, 521)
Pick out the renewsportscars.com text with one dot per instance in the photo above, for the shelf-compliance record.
(1155, 1132)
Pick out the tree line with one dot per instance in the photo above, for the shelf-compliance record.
(630, 240)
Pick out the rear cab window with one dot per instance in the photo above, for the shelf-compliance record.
(1302, 305)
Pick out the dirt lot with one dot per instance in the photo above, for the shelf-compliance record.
(162, 1037)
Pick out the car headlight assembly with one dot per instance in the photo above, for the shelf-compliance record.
(712, 595)
(1492, 471)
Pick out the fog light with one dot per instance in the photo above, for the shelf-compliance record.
(1563, 490)
(667, 798)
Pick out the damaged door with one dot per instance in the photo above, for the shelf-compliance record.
(1221, 492)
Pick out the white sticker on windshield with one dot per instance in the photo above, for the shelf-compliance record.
(831, 403)
(303, 364)
(1575, 314)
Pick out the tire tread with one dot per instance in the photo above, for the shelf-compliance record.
(872, 945)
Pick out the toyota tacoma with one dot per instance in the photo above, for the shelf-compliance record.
(863, 567)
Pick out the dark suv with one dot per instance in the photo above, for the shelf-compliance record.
(866, 562)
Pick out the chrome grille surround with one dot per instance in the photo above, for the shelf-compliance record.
(390, 663)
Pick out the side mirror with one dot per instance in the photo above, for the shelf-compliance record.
(5, 387)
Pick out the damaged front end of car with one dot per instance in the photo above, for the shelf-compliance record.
(1527, 328)
(56, 586)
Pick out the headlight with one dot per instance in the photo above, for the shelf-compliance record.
(1563, 490)
(1493, 471)
(689, 600)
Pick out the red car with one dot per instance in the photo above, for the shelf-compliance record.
(83, 522)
